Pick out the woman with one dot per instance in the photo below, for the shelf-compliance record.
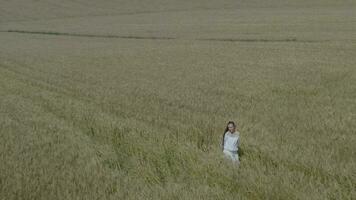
(230, 142)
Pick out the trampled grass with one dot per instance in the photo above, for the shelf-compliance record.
(136, 116)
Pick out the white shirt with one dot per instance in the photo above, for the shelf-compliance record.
(231, 141)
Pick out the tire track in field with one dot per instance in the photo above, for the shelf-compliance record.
(89, 35)
(119, 14)
(43, 85)
(260, 40)
(53, 33)
(77, 133)
(36, 82)
(310, 171)
(72, 93)
(51, 107)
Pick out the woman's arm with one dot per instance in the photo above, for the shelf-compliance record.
(238, 141)
(222, 142)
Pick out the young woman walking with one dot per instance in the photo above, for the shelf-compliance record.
(230, 142)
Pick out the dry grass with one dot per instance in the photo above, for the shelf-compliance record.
(136, 116)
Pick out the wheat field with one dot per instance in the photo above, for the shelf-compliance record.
(129, 99)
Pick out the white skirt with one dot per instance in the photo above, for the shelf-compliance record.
(233, 155)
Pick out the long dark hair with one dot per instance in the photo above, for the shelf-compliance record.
(226, 129)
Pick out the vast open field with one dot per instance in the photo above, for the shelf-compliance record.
(129, 99)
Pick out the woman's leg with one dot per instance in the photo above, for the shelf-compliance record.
(233, 156)
(236, 158)
(228, 154)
